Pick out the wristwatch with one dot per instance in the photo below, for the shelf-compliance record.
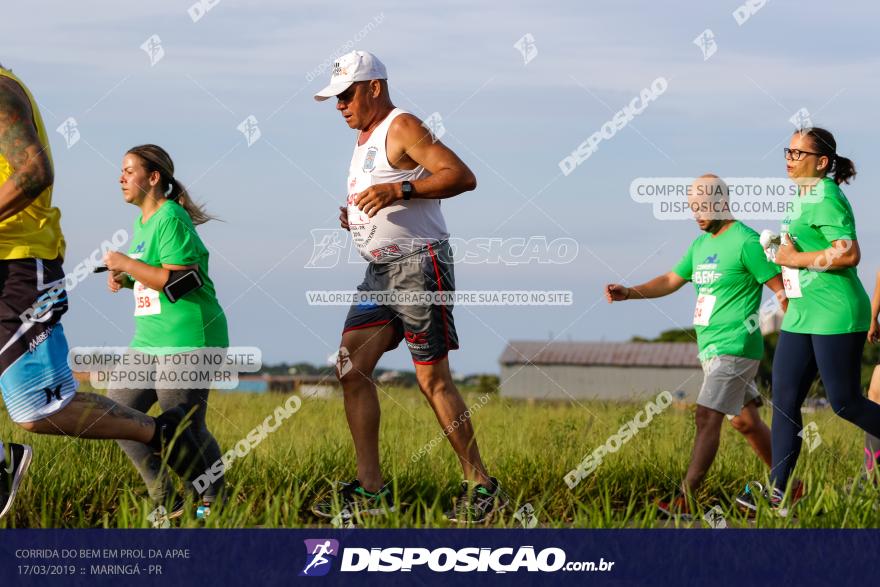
(407, 189)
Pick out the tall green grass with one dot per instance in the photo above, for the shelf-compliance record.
(528, 446)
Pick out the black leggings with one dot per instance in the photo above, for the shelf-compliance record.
(838, 360)
(148, 464)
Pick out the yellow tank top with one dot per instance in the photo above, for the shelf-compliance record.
(35, 232)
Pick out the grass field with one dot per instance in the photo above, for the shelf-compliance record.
(529, 447)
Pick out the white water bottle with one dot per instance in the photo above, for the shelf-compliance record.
(770, 241)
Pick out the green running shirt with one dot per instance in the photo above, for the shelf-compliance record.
(728, 272)
(833, 301)
(196, 320)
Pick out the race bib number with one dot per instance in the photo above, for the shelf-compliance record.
(703, 309)
(356, 216)
(791, 280)
(146, 300)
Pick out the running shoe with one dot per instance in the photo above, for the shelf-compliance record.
(203, 511)
(180, 505)
(478, 504)
(865, 483)
(756, 493)
(12, 471)
(870, 472)
(675, 508)
(349, 500)
(207, 504)
(161, 516)
(753, 494)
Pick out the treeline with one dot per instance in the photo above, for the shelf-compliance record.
(483, 382)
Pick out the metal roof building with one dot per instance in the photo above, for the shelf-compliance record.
(624, 371)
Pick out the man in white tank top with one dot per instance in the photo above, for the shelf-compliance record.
(398, 174)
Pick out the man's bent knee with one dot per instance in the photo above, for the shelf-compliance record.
(354, 379)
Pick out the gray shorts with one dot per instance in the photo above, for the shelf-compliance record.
(429, 330)
(729, 384)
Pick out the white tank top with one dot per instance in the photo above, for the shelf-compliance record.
(402, 227)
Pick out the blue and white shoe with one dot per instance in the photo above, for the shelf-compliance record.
(756, 493)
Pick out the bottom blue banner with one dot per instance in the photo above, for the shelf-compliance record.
(428, 557)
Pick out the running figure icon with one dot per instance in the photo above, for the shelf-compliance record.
(320, 550)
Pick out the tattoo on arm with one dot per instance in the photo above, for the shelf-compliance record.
(20, 142)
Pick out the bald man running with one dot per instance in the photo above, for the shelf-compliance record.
(38, 387)
(399, 173)
(727, 266)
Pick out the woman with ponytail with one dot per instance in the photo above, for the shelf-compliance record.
(165, 241)
(829, 313)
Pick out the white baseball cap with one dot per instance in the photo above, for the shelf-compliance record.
(357, 66)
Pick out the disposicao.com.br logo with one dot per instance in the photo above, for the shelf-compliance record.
(442, 560)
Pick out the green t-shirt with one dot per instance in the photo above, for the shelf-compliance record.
(833, 301)
(196, 320)
(728, 272)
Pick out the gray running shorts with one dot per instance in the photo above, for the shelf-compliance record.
(428, 329)
(729, 384)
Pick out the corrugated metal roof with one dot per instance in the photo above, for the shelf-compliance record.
(619, 354)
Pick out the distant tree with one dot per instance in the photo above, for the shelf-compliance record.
(488, 384)
(674, 335)
(402, 378)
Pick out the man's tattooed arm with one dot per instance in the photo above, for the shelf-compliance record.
(20, 145)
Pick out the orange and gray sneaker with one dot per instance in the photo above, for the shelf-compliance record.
(676, 508)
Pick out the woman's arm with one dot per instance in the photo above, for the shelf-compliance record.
(840, 255)
(150, 276)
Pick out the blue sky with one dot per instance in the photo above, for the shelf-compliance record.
(511, 122)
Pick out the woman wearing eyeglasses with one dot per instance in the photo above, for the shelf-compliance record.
(829, 313)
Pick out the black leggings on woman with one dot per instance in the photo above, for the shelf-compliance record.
(838, 360)
(148, 464)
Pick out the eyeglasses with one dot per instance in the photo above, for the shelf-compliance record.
(797, 154)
